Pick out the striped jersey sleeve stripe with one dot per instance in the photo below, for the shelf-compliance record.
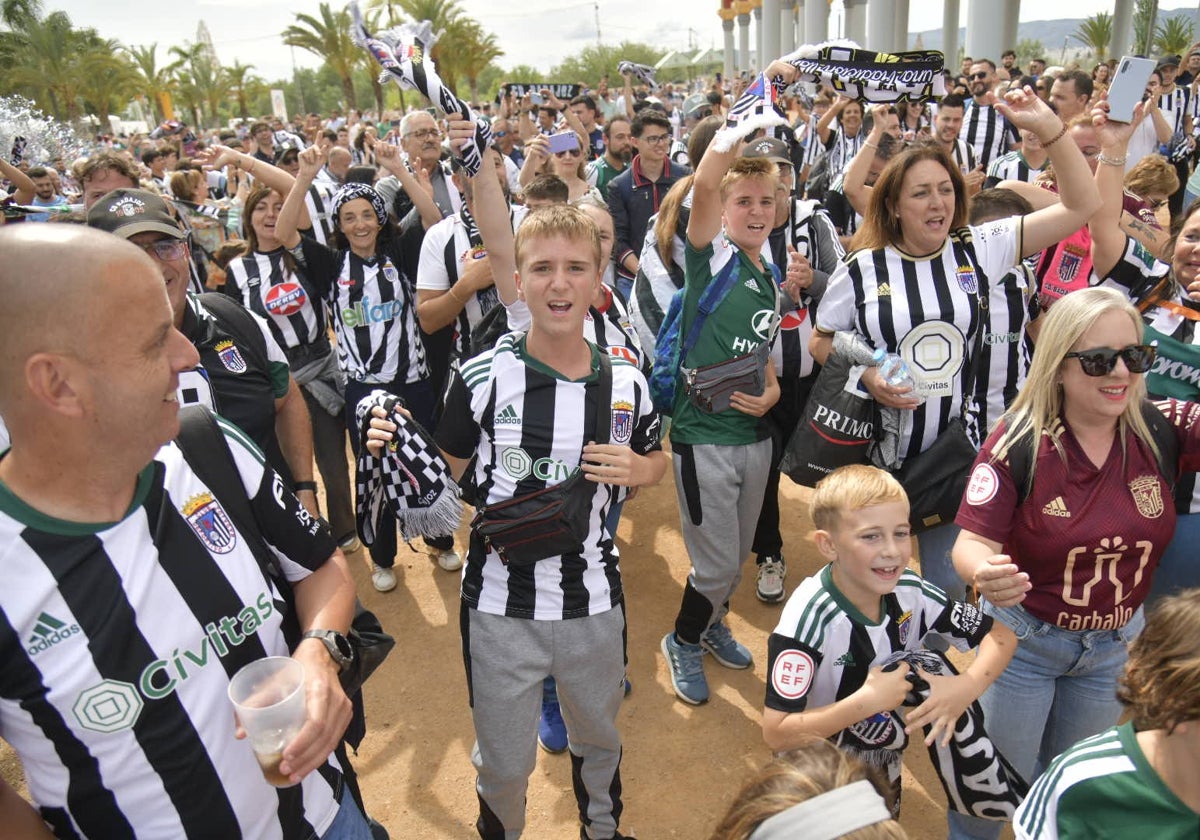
(234, 433)
(1099, 755)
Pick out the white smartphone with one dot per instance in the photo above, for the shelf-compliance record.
(1128, 87)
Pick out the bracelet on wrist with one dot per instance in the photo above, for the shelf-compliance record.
(301, 486)
(1105, 159)
(1046, 144)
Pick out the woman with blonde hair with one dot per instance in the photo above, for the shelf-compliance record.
(1065, 517)
(816, 792)
(1154, 181)
(1142, 773)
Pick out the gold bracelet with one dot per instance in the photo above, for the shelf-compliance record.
(1105, 159)
(1048, 143)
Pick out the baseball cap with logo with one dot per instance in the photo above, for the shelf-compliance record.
(128, 212)
(771, 148)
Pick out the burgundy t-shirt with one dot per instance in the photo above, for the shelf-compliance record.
(1088, 537)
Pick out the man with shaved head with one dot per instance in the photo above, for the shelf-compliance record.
(131, 597)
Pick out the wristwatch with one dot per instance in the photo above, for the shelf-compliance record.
(339, 647)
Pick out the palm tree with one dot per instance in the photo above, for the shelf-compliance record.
(43, 58)
(199, 80)
(1095, 32)
(109, 79)
(243, 84)
(1173, 35)
(329, 38)
(15, 13)
(371, 19)
(157, 82)
(1144, 14)
(476, 50)
(445, 16)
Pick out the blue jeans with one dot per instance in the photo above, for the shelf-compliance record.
(936, 565)
(1178, 569)
(625, 287)
(349, 824)
(1059, 689)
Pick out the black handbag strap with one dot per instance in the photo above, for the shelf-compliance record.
(604, 406)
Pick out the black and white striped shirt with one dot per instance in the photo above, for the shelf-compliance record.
(964, 156)
(1010, 167)
(842, 149)
(925, 309)
(1005, 354)
(1175, 106)
(987, 132)
(318, 200)
(372, 304)
(611, 330)
(528, 426)
(289, 303)
(119, 642)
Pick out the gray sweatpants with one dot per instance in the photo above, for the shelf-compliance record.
(720, 491)
(506, 660)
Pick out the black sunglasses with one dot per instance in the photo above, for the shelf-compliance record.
(982, 75)
(1102, 360)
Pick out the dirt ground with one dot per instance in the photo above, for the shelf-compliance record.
(682, 764)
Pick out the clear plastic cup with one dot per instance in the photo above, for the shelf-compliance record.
(268, 695)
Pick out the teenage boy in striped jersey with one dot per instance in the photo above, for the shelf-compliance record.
(131, 599)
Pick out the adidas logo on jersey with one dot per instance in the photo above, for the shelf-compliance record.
(49, 631)
(1057, 507)
(846, 660)
(883, 290)
(508, 417)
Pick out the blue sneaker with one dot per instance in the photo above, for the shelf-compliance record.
(552, 732)
(727, 650)
(686, 664)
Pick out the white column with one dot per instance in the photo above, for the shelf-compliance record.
(1012, 17)
(758, 37)
(856, 21)
(816, 21)
(727, 25)
(743, 61)
(801, 31)
(787, 27)
(1122, 30)
(950, 34)
(881, 24)
(900, 43)
(985, 29)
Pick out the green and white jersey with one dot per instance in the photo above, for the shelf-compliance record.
(1104, 787)
(747, 317)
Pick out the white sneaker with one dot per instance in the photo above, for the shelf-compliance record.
(350, 544)
(384, 580)
(771, 573)
(448, 559)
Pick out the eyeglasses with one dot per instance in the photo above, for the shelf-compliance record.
(166, 250)
(657, 139)
(568, 153)
(982, 75)
(424, 133)
(499, 134)
(1102, 360)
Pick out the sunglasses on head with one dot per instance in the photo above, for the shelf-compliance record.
(1102, 360)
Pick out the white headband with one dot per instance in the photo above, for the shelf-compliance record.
(828, 816)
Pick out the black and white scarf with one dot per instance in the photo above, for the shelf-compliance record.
(488, 297)
(411, 477)
(865, 75)
(403, 53)
(643, 72)
(977, 779)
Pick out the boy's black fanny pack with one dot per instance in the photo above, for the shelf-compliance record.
(710, 388)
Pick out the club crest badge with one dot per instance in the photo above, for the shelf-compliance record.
(210, 522)
(1147, 495)
(230, 356)
(622, 422)
(966, 279)
(903, 626)
(390, 273)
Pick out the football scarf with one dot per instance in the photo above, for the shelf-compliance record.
(977, 779)
(411, 477)
(488, 297)
(403, 53)
(867, 76)
(643, 72)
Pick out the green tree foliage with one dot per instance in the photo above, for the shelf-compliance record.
(596, 61)
(1144, 12)
(243, 84)
(1095, 32)
(1028, 49)
(328, 37)
(1173, 35)
(156, 80)
(200, 83)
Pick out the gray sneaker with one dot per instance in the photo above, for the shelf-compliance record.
(686, 664)
(727, 650)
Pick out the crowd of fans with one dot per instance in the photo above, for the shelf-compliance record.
(1033, 262)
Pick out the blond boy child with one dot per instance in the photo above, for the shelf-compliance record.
(841, 624)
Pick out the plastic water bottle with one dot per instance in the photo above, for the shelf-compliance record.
(894, 370)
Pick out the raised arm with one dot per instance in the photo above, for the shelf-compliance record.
(854, 183)
(491, 214)
(825, 124)
(1108, 239)
(272, 177)
(705, 221)
(25, 190)
(421, 196)
(287, 225)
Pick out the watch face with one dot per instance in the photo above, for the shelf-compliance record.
(343, 645)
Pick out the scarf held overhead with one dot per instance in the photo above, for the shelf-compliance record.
(411, 477)
(404, 55)
(867, 76)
